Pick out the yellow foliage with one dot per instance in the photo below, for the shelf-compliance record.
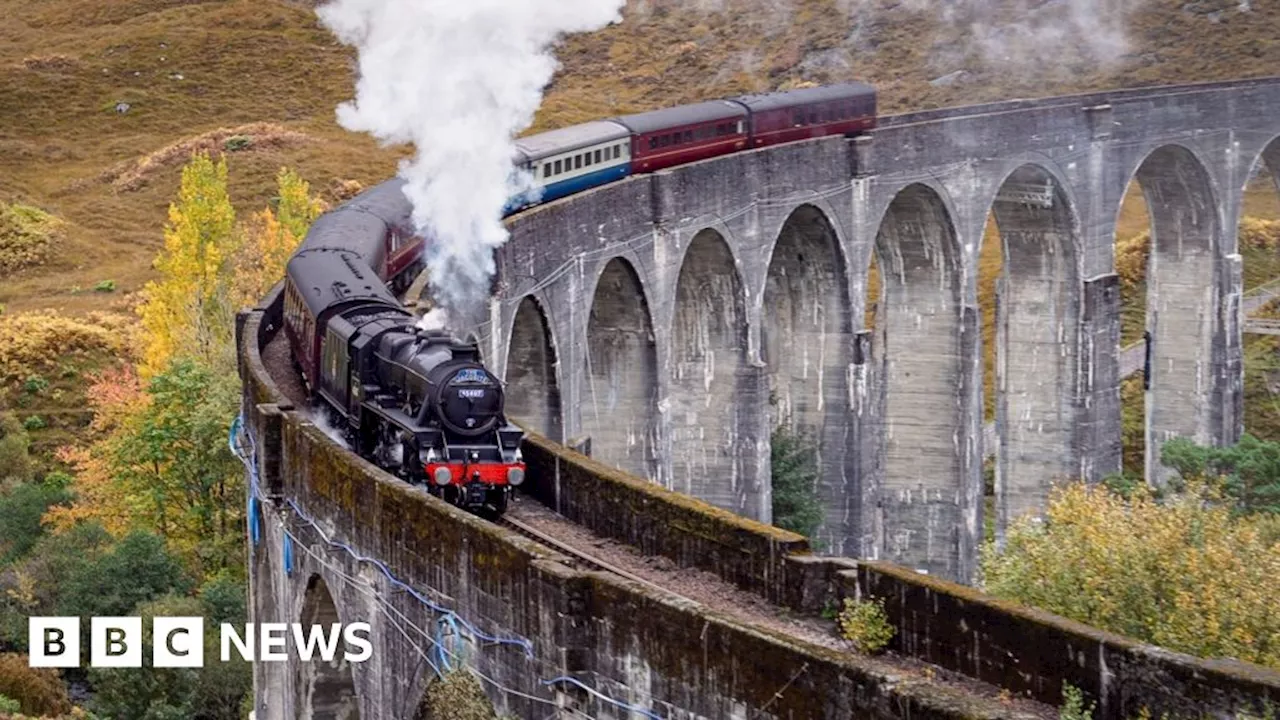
(268, 239)
(1131, 258)
(1132, 252)
(1181, 573)
(1259, 234)
(863, 622)
(190, 311)
(26, 236)
(32, 343)
(297, 208)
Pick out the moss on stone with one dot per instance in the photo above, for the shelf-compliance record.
(456, 696)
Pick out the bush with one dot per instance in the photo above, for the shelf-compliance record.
(794, 462)
(21, 508)
(1184, 573)
(35, 384)
(26, 234)
(38, 691)
(33, 422)
(456, 696)
(1073, 704)
(213, 692)
(225, 599)
(33, 343)
(1247, 473)
(863, 622)
(105, 286)
(94, 587)
(15, 449)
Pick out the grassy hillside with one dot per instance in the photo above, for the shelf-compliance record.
(188, 68)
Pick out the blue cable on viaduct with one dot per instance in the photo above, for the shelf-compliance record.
(673, 319)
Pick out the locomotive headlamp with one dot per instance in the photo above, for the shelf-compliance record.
(443, 476)
(515, 476)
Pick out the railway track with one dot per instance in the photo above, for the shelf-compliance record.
(587, 559)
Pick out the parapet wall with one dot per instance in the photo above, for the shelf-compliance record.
(956, 627)
(658, 521)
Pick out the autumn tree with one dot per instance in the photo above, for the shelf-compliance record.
(189, 311)
(269, 238)
(1247, 473)
(115, 397)
(174, 462)
(1183, 572)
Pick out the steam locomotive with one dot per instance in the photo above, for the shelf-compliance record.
(420, 404)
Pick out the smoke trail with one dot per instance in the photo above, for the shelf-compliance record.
(459, 79)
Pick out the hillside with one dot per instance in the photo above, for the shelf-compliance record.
(185, 68)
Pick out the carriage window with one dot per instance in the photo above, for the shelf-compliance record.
(586, 159)
(798, 118)
(597, 156)
(617, 151)
(577, 162)
(557, 170)
(813, 118)
(653, 143)
(688, 136)
(546, 170)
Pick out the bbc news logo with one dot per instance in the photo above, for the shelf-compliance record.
(178, 642)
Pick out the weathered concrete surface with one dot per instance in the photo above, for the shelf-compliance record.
(953, 626)
(896, 409)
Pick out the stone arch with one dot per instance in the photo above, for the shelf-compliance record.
(325, 690)
(920, 327)
(1183, 293)
(533, 388)
(1037, 343)
(708, 403)
(806, 343)
(1259, 198)
(620, 411)
(1269, 159)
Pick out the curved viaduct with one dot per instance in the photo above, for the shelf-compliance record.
(671, 318)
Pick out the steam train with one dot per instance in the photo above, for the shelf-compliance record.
(421, 404)
(418, 403)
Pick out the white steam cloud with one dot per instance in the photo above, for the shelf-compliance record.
(459, 79)
(435, 319)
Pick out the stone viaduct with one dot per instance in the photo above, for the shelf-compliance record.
(672, 319)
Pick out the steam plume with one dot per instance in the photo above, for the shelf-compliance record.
(459, 79)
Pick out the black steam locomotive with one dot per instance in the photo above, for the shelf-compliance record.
(418, 403)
